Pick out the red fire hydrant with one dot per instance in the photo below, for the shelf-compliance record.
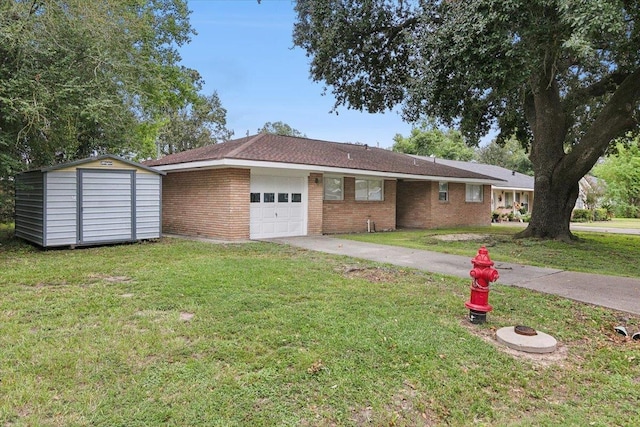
(483, 273)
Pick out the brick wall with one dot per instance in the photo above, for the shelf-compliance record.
(414, 204)
(314, 207)
(419, 207)
(349, 215)
(209, 203)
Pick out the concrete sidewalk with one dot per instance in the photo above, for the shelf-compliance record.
(618, 293)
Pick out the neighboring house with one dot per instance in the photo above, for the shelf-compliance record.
(589, 186)
(269, 185)
(516, 190)
(513, 193)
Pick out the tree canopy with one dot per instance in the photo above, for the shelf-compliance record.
(621, 172)
(510, 155)
(561, 74)
(280, 128)
(85, 77)
(199, 122)
(428, 140)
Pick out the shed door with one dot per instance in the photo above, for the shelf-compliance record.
(106, 206)
(278, 206)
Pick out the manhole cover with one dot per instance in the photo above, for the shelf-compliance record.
(525, 330)
(537, 343)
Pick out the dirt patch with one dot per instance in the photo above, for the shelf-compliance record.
(373, 274)
(461, 237)
(117, 279)
(401, 411)
(184, 316)
(111, 279)
(557, 358)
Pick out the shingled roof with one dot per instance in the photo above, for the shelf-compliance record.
(511, 178)
(272, 148)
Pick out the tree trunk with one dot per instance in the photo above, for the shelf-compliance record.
(552, 207)
(556, 187)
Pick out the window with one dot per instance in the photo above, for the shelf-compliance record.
(369, 189)
(269, 197)
(333, 188)
(283, 197)
(443, 191)
(255, 197)
(474, 193)
(296, 198)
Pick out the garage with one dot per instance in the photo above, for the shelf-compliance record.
(278, 206)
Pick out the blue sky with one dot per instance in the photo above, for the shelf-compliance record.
(244, 51)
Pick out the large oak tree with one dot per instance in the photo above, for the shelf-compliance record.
(562, 74)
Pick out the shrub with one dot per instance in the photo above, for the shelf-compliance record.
(601, 214)
(581, 215)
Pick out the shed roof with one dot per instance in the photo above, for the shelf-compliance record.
(98, 158)
(314, 153)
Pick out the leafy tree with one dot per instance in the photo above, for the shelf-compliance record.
(429, 140)
(562, 74)
(509, 155)
(200, 122)
(82, 77)
(280, 128)
(621, 172)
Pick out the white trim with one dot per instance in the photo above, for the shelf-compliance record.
(211, 164)
(495, 187)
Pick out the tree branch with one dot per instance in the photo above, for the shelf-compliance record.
(616, 118)
(34, 7)
(606, 85)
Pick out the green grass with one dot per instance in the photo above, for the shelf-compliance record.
(600, 253)
(281, 336)
(630, 223)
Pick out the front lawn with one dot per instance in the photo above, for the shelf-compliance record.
(595, 252)
(190, 333)
(630, 223)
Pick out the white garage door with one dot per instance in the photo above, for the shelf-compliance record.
(278, 206)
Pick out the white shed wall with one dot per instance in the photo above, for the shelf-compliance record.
(29, 213)
(61, 206)
(148, 203)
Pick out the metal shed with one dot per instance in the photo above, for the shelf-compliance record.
(94, 201)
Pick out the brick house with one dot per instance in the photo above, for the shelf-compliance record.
(266, 185)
